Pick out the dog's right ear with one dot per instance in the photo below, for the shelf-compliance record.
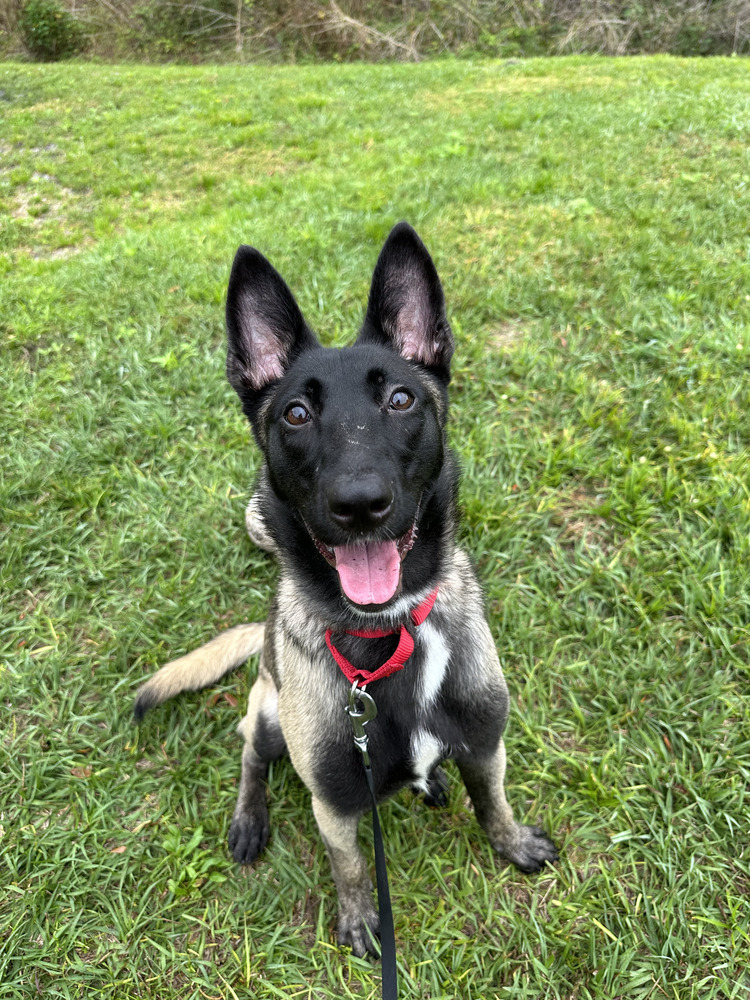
(265, 328)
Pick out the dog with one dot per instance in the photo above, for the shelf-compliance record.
(358, 498)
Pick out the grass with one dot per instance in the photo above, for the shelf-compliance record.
(589, 218)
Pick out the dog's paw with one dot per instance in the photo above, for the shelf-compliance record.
(248, 834)
(528, 847)
(436, 795)
(360, 931)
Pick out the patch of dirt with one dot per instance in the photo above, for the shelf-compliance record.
(506, 336)
(305, 917)
(258, 163)
(580, 525)
(501, 85)
(539, 894)
(35, 204)
(567, 742)
(60, 253)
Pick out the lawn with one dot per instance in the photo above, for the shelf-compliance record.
(590, 219)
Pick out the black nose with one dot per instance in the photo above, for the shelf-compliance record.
(359, 503)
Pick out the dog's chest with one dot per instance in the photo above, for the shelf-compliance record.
(410, 735)
(435, 656)
(426, 746)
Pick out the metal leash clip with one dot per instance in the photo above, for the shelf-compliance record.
(361, 709)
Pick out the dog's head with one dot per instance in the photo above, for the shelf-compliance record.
(353, 438)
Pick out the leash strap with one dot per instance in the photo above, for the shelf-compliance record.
(361, 709)
(387, 932)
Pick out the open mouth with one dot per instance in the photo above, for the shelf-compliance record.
(369, 572)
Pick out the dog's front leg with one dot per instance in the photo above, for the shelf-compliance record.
(358, 924)
(527, 847)
(264, 742)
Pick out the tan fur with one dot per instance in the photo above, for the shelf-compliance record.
(358, 921)
(263, 701)
(262, 710)
(204, 666)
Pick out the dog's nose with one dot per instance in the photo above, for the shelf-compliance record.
(361, 503)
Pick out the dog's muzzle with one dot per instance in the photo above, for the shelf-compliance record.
(369, 571)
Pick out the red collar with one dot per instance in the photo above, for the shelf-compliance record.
(403, 651)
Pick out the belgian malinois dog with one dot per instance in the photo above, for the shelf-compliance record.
(357, 496)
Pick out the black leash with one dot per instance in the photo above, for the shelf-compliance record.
(387, 933)
(362, 709)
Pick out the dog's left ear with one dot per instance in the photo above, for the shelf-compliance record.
(406, 307)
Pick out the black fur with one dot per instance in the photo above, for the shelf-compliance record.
(143, 703)
(268, 741)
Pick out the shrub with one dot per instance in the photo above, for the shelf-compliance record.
(49, 31)
(174, 27)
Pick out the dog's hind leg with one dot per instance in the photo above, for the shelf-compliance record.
(527, 847)
(264, 742)
(358, 924)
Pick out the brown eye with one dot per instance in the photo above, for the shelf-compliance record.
(401, 399)
(296, 414)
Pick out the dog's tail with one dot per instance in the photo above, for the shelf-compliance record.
(200, 668)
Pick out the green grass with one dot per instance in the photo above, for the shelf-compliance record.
(589, 218)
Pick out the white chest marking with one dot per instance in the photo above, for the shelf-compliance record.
(426, 752)
(437, 655)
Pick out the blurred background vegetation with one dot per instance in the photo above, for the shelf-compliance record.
(346, 30)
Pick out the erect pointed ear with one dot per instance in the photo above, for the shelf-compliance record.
(406, 308)
(265, 328)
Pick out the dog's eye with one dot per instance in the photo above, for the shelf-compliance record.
(296, 414)
(401, 399)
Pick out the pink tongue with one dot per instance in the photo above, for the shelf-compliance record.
(369, 573)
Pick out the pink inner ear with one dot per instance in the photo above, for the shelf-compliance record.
(264, 349)
(412, 346)
(413, 333)
(266, 364)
